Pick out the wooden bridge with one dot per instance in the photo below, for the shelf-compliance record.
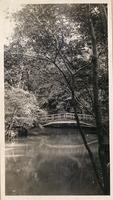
(66, 118)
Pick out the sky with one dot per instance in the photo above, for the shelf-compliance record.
(8, 24)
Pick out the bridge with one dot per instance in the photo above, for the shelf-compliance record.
(66, 118)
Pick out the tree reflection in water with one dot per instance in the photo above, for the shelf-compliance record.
(50, 165)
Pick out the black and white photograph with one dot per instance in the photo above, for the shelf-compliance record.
(56, 99)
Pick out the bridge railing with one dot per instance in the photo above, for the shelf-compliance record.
(65, 116)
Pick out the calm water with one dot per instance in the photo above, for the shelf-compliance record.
(55, 164)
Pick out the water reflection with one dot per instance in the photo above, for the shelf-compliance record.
(55, 164)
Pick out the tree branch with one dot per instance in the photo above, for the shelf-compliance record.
(83, 67)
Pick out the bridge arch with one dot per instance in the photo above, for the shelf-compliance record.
(65, 117)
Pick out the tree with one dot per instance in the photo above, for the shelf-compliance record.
(97, 109)
(21, 108)
(94, 36)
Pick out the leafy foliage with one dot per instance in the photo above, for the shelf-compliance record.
(23, 103)
(57, 34)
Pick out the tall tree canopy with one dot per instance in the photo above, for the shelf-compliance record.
(58, 34)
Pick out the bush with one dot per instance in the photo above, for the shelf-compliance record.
(21, 107)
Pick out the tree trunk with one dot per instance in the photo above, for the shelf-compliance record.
(97, 110)
(85, 141)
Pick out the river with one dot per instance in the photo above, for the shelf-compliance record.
(51, 164)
